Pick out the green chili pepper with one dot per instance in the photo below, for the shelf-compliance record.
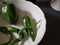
(13, 29)
(21, 37)
(27, 23)
(8, 12)
(14, 41)
(19, 32)
(5, 31)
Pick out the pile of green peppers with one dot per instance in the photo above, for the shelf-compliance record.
(8, 31)
(8, 12)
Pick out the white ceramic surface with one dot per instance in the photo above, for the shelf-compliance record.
(55, 4)
(36, 14)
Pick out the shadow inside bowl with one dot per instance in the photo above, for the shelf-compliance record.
(3, 22)
(3, 38)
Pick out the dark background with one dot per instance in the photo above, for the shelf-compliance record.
(52, 35)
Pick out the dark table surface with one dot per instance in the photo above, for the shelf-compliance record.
(52, 35)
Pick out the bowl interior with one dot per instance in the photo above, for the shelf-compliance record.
(35, 14)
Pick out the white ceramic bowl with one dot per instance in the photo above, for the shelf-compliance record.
(55, 4)
(35, 14)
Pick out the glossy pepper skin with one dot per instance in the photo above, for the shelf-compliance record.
(12, 29)
(19, 32)
(21, 37)
(27, 23)
(5, 31)
(8, 12)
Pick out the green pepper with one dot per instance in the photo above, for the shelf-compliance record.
(8, 12)
(21, 37)
(12, 29)
(27, 23)
(14, 41)
(5, 31)
(19, 32)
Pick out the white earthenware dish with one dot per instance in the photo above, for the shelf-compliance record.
(35, 13)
